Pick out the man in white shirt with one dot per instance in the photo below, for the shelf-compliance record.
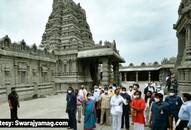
(96, 93)
(116, 109)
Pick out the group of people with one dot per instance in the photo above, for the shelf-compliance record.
(113, 105)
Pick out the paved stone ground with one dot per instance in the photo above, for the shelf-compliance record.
(49, 107)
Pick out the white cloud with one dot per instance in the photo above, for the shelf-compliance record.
(142, 28)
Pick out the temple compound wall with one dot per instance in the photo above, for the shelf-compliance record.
(28, 69)
(183, 32)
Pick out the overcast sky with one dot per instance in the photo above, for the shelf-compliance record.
(142, 28)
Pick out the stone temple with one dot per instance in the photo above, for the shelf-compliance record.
(69, 57)
(183, 28)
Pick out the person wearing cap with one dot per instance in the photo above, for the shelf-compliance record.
(13, 100)
(159, 114)
(175, 103)
(185, 113)
(71, 107)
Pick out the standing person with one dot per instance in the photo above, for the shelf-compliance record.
(149, 88)
(96, 95)
(168, 82)
(185, 113)
(175, 103)
(116, 109)
(135, 87)
(138, 106)
(174, 84)
(83, 91)
(79, 105)
(130, 91)
(158, 87)
(89, 113)
(111, 91)
(148, 105)
(71, 108)
(105, 107)
(159, 115)
(98, 107)
(13, 100)
(126, 109)
(96, 92)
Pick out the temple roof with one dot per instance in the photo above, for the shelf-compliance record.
(147, 68)
(100, 53)
(140, 68)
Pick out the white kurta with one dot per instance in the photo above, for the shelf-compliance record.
(116, 111)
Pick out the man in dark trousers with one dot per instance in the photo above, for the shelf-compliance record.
(71, 108)
(126, 109)
(13, 100)
(175, 102)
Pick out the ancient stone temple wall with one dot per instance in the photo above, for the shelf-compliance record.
(183, 28)
(28, 69)
(69, 56)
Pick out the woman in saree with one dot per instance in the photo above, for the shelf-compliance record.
(89, 113)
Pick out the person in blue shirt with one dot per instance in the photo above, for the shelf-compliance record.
(175, 103)
(159, 115)
(71, 108)
(185, 113)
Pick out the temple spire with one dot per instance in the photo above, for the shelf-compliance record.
(57, 3)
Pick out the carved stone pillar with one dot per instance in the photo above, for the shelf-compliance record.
(186, 74)
(188, 42)
(125, 76)
(149, 76)
(181, 47)
(137, 76)
(182, 75)
(179, 76)
(116, 72)
(189, 34)
(35, 85)
(105, 71)
(120, 77)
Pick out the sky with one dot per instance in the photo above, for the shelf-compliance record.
(142, 29)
